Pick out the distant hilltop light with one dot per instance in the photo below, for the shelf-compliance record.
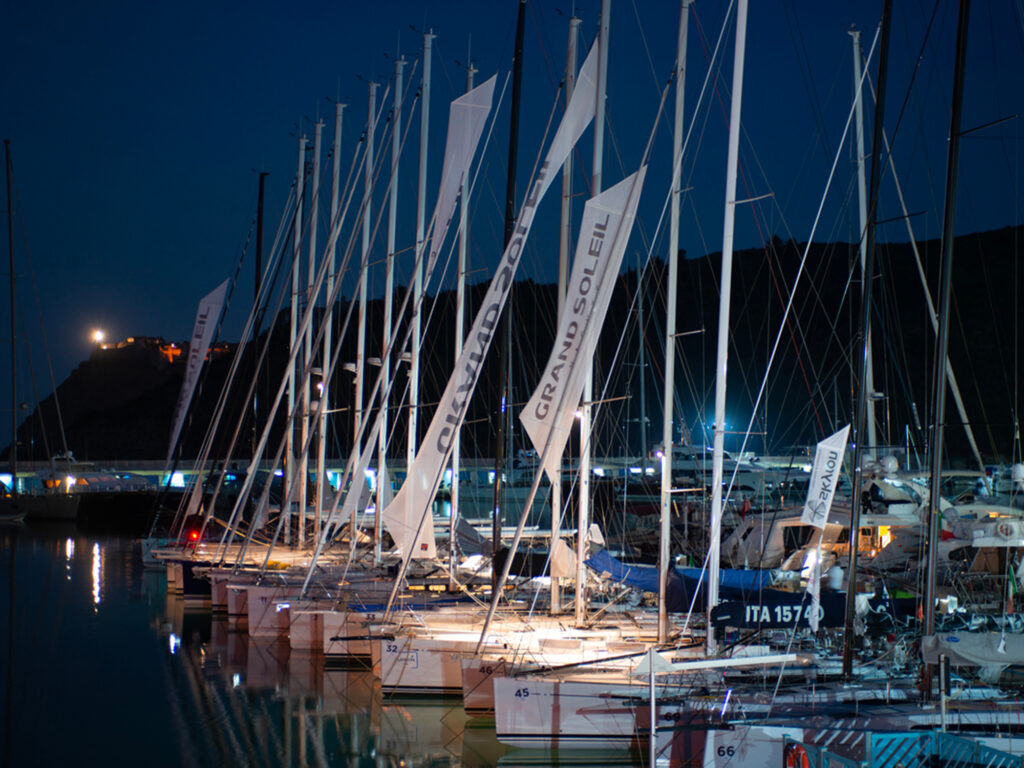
(97, 336)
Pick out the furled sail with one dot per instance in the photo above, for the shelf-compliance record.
(408, 517)
(607, 221)
(199, 344)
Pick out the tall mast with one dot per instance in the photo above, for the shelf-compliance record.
(290, 474)
(563, 272)
(326, 354)
(862, 208)
(506, 316)
(421, 213)
(460, 323)
(597, 168)
(371, 127)
(942, 344)
(861, 409)
(389, 289)
(257, 286)
(664, 551)
(14, 339)
(307, 337)
(725, 288)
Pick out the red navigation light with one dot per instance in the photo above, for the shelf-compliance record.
(194, 535)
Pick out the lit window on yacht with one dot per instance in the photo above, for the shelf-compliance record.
(236, 680)
(174, 641)
(177, 480)
(599, 471)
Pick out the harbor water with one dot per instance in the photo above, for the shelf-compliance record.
(102, 667)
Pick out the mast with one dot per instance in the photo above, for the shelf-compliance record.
(326, 354)
(257, 285)
(664, 551)
(861, 409)
(642, 355)
(506, 319)
(421, 207)
(862, 208)
(460, 323)
(583, 524)
(357, 404)
(14, 339)
(723, 316)
(563, 272)
(389, 289)
(942, 344)
(307, 337)
(289, 473)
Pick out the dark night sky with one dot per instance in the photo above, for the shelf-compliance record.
(138, 130)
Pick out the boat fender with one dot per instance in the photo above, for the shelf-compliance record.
(1005, 530)
(795, 756)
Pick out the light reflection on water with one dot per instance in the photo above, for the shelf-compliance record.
(91, 676)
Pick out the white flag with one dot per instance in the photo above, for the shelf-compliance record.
(607, 223)
(828, 462)
(410, 511)
(199, 345)
(467, 116)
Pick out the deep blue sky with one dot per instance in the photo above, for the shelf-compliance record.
(138, 130)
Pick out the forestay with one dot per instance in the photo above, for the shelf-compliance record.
(408, 517)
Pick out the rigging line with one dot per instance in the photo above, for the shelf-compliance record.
(693, 120)
(243, 496)
(35, 396)
(350, 466)
(16, 205)
(647, 48)
(806, 74)
(796, 282)
(545, 45)
(321, 330)
(548, 443)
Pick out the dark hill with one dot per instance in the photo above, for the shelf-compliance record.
(118, 404)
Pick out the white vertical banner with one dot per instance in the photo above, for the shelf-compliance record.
(607, 222)
(410, 510)
(828, 462)
(467, 116)
(199, 344)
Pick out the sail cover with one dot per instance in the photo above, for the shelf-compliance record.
(408, 517)
(199, 344)
(607, 222)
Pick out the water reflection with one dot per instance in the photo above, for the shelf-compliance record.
(253, 701)
(212, 696)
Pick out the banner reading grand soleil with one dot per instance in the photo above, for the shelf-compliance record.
(607, 222)
(467, 117)
(206, 321)
(410, 511)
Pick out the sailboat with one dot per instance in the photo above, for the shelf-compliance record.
(16, 501)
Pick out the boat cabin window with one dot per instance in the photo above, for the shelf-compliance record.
(796, 536)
